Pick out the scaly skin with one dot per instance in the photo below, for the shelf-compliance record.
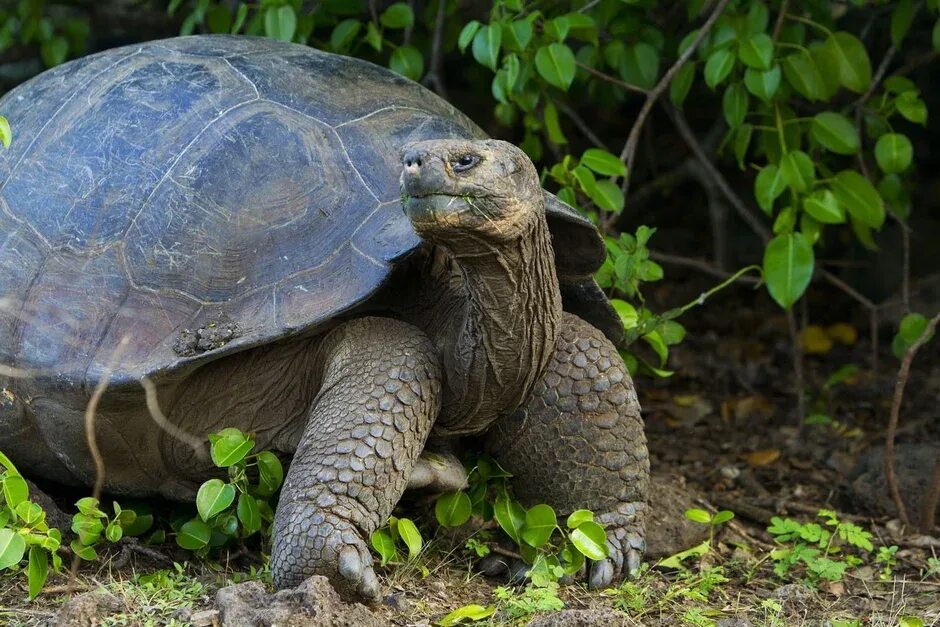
(379, 396)
(579, 443)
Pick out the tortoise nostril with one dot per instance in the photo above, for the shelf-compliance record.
(413, 159)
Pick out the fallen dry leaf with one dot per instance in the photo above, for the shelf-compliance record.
(762, 457)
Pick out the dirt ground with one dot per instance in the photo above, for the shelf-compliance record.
(724, 429)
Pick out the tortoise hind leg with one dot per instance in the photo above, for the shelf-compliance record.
(379, 396)
(578, 443)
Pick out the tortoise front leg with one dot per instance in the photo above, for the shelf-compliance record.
(379, 396)
(578, 443)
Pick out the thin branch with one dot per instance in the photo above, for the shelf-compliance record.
(797, 366)
(931, 499)
(781, 17)
(689, 137)
(628, 154)
(903, 373)
(867, 304)
(581, 124)
(612, 79)
(701, 265)
(435, 71)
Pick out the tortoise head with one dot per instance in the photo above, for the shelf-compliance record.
(455, 189)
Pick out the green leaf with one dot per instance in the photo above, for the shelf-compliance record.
(722, 517)
(734, 105)
(37, 570)
(374, 36)
(901, 19)
(682, 83)
(911, 621)
(553, 124)
(629, 318)
(407, 61)
(219, 19)
(640, 65)
(12, 548)
(718, 67)
(517, 35)
(912, 327)
(248, 513)
(410, 536)
(557, 28)
(823, 206)
(699, 516)
(510, 516)
(675, 561)
(15, 490)
(607, 196)
(30, 513)
(603, 162)
(757, 52)
(229, 446)
(556, 64)
(835, 133)
(912, 108)
(452, 509)
(113, 532)
(398, 15)
(764, 85)
(214, 496)
(803, 75)
(894, 153)
(54, 51)
(591, 540)
(540, 522)
(798, 170)
(344, 34)
(86, 553)
(384, 545)
(194, 535)
(579, 516)
(851, 59)
(742, 140)
(467, 613)
(270, 473)
(467, 34)
(486, 44)
(280, 23)
(6, 133)
(788, 267)
(240, 17)
(935, 35)
(768, 185)
(859, 197)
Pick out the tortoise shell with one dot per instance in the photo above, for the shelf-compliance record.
(151, 187)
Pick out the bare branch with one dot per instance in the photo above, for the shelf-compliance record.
(435, 70)
(797, 366)
(701, 265)
(903, 373)
(581, 124)
(628, 154)
(612, 79)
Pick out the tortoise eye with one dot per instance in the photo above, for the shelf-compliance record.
(465, 162)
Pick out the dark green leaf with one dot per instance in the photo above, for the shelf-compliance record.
(384, 545)
(894, 153)
(270, 473)
(851, 59)
(764, 85)
(219, 19)
(453, 509)
(718, 67)
(194, 535)
(344, 34)
(557, 28)
(407, 61)
(682, 83)
(54, 51)
(788, 267)
(640, 65)
(742, 140)
(517, 35)
(556, 64)
(798, 170)
(901, 19)
(801, 72)
(248, 513)
(823, 206)
(540, 522)
(757, 51)
(912, 327)
(912, 108)
(935, 35)
(859, 197)
(398, 15)
(734, 105)
(229, 446)
(486, 44)
(835, 132)
(280, 22)
(607, 196)
(510, 516)
(37, 571)
(214, 496)
(768, 185)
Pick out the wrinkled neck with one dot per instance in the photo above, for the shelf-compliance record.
(498, 348)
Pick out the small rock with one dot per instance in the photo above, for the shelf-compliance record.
(314, 603)
(398, 601)
(793, 596)
(87, 610)
(734, 621)
(584, 618)
(205, 618)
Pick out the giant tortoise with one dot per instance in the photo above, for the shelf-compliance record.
(314, 249)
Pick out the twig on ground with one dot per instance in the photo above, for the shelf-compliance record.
(501, 550)
(903, 374)
(628, 153)
(742, 209)
(131, 546)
